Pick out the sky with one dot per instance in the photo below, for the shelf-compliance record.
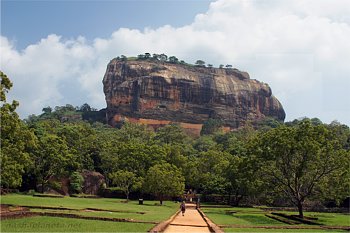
(56, 52)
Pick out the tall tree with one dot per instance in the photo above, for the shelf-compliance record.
(211, 126)
(126, 181)
(17, 141)
(171, 134)
(164, 180)
(51, 158)
(300, 159)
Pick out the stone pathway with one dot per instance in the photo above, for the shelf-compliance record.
(191, 222)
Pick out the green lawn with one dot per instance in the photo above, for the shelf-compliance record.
(151, 212)
(239, 216)
(329, 219)
(56, 224)
(246, 217)
(277, 230)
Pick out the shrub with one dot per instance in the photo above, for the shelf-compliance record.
(76, 182)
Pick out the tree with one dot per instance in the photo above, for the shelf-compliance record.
(228, 66)
(50, 158)
(209, 171)
(221, 66)
(76, 182)
(243, 178)
(17, 140)
(155, 56)
(173, 59)
(126, 181)
(200, 63)
(135, 132)
(140, 56)
(211, 126)
(139, 157)
(204, 143)
(164, 180)
(163, 57)
(47, 110)
(85, 108)
(81, 141)
(147, 55)
(171, 134)
(210, 66)
(300, 159)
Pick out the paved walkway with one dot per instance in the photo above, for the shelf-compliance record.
(191, 222)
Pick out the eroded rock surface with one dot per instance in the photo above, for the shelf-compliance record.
(157, 93)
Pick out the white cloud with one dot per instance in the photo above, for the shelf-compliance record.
(299, 47)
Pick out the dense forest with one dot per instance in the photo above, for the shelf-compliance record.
(294, 163)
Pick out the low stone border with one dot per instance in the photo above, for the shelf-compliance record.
(85, 209)
(48, 195)
(295, 218)
(212, 226)
(288, 227)
(160, 227)
(66, 215)
(17, 214)
(283, 220)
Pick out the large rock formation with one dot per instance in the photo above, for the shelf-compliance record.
(157, 93)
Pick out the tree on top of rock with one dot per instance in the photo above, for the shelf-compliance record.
(200, 63)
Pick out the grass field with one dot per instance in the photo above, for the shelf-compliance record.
(231, 219)
(56, 224)
(244, 219)
(150, 211)
(278, 230)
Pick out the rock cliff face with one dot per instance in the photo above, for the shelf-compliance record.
(157, 94)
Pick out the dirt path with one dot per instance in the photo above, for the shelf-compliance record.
(191, 222)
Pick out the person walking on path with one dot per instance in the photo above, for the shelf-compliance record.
(183, 208)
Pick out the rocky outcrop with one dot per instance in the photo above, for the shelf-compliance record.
(158, 93)
(93, 181)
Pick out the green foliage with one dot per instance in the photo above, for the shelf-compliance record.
(173, 59)
(204, 143)
(164, 180)
(300, 159)
(135, 132)
(16, 140)
(56, 185)
(76, 182)
(211, 126)
(171, 134)
(51, 158)
(126, 181)
(200, 63)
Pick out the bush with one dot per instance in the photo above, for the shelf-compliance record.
(55, 185)
(76, 182)
(31, 192)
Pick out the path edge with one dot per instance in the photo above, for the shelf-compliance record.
(212, 226)
(160, 227)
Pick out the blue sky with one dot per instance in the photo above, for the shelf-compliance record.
(27, 22)
(56, 52)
